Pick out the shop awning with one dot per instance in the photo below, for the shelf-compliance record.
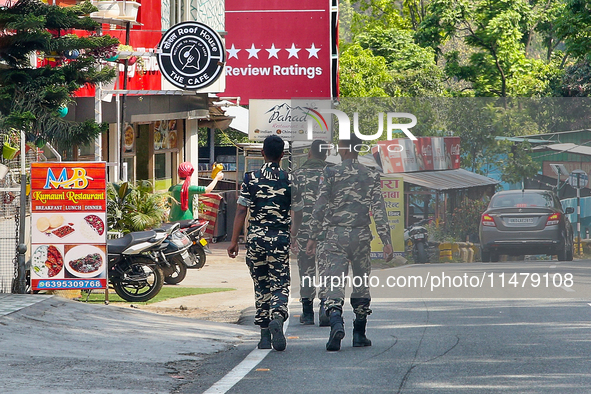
(436, 180)
(447, 179)
(147, 108)
(240, 118)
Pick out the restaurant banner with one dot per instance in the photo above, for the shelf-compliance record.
(289, 119)
(68, 226)
(393, 192)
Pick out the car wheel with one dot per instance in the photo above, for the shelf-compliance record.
(494, 257)
(570, 252)
(563, 253)
(484, 255)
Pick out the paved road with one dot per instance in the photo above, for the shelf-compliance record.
(513, 339)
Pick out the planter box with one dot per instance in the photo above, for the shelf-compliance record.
(106, 9)
(126, 10)
(129, 10)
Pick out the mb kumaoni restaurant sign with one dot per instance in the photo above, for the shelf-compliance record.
(68, 231)
(191, 55)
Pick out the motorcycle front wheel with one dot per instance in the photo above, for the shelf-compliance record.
(141, 280)
(179, 271)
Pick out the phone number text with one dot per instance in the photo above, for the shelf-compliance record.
(69, 284)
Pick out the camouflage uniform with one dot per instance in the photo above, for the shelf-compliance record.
(307, 179)
(267, 193)
(348, 192)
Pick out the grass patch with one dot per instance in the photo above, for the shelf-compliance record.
(165, 294)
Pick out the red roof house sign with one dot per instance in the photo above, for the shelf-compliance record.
(191, 55)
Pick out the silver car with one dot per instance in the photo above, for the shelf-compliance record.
(519, 222)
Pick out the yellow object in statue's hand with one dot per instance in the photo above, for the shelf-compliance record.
(216, 169)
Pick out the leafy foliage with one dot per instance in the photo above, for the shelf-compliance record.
(520, 164)
(135, 207)
(572, 26)
(465, 219)
(576, 81)
(499, 34)
(363, 74)
(227, 137)
(30, 96)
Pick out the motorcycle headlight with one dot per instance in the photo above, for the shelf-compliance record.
(179, 239)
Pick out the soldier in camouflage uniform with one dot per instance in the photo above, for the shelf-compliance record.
(306, 179)
(267, 193)
(348, 192)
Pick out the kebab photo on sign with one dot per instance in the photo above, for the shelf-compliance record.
(55, 225)
(74, 226)
(84, 261)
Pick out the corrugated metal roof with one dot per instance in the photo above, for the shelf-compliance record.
(567, 148)
(447, 179)
(521, 139)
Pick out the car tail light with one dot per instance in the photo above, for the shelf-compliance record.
(488, 220)
(553, 219)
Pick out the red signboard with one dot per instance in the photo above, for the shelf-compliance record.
(423, 154)
(68, 226)
(280, 49)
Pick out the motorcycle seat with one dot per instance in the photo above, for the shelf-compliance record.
(120, 244)
(188, 223)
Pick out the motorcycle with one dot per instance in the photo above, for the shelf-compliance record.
(174, 257)
(419, 238)
(194, 229)
(133, 265)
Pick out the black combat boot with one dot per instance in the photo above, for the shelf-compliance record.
(323, 320)
(337, 330)
(276, 328)
(265, 342)
(359, 338)
(307, 316)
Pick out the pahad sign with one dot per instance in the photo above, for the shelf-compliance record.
(191, 55)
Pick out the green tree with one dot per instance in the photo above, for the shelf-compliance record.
(519, 164)
(31, 96)
(499, 33)
(573, 26)
(576, 80)
(362, 74)
(412, 67)
(383, 14)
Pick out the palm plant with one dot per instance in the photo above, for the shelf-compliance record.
(135, 207)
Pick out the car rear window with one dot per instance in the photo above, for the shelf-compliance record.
(522, 200)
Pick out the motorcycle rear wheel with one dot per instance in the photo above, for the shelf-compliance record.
(199, 255)
(422, 256)
(179, 271)
(141, 280)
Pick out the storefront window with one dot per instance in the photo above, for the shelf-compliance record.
(160, 165)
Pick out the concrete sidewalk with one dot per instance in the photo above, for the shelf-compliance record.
(219, 271)
(51, 344)
(60, 346)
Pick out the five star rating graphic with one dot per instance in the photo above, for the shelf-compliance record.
(273, 51)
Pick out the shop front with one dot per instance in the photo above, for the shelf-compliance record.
(159, 133)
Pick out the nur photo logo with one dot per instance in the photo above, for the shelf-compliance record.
(316, 116)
